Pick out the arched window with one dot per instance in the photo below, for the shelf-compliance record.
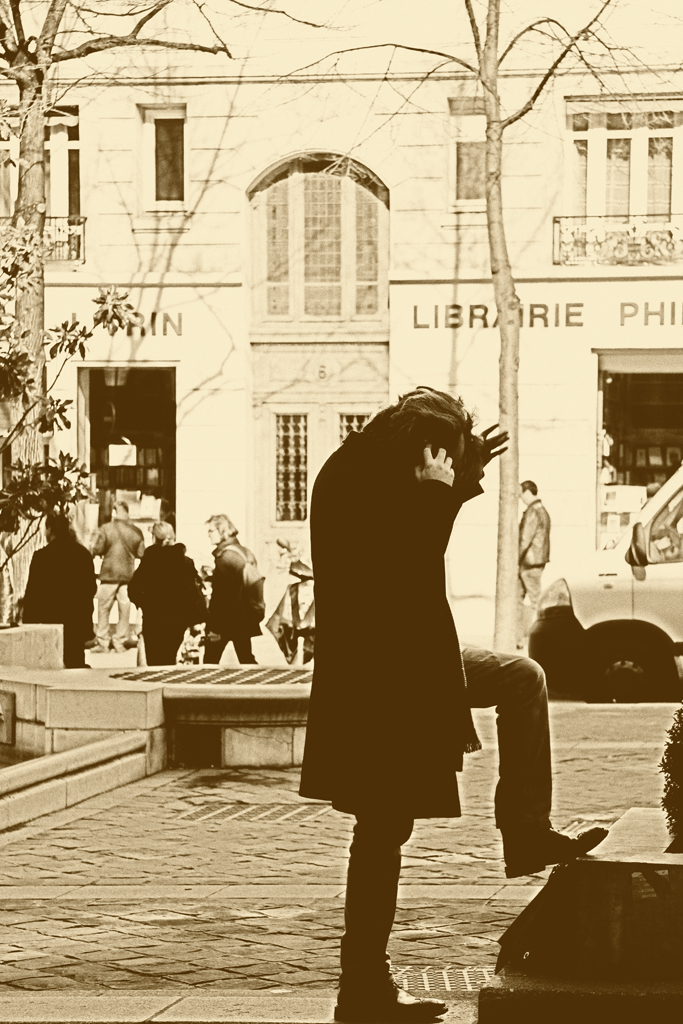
(322, 249)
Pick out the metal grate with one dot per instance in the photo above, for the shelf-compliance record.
(442, 979)
(233, 676)
(350, 422)
(291, 468)
(322, 245)
(217, 810)
(277, 209)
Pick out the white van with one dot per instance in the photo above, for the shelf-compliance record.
(610, 629)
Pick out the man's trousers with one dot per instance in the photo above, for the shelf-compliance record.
(516, 687)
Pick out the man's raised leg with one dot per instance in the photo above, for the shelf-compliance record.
(515, 686)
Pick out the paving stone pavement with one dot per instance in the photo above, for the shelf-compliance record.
(139, 890)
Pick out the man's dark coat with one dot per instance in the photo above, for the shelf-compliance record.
(229, 616)
(388, 719)
(61, 587)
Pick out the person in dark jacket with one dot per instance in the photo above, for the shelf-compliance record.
(167, 588)
(230, 616)
(389, 716)
(61, 588)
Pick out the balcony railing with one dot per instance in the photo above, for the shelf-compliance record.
(626, 241)
(64, 238)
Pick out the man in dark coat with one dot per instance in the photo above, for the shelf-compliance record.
(61, 587)
(231, 615)
(389, 717)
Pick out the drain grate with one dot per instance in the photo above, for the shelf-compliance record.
(264, 813)
(199, 674)
(442, 979)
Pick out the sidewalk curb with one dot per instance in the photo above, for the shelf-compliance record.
(171, 1007)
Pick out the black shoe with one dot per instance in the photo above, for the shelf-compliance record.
(531, 852)
(390, 1007)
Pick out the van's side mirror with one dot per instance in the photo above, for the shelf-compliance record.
(637, 552)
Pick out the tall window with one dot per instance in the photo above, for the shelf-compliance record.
(624, 163)
(470, 172)
(324, 225)
(467, 162)
(164, 170)
(618, 196)
(291, 467)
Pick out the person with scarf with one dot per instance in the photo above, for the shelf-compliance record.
(389, 718)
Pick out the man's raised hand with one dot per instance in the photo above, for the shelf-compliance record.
(492, 446)
(436, 468)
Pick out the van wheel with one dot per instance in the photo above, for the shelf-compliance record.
(630, 665)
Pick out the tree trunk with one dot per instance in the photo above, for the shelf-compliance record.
(508, 306)
(30, 303)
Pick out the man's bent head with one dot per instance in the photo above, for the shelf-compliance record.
(426, 417)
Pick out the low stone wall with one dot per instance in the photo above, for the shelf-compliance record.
(61, 710)
(242, 725)
(250, 716)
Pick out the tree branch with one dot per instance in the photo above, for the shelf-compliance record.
(378, 46)
(102, 43)
(48, 33)
(585, 31)
(274, 10)
(530, 28)
(474, 29)
(8, 45)
(18, 25)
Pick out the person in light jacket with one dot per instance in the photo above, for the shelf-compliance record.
(534, 553)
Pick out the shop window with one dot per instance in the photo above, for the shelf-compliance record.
(350, 422)
(666, 533)
(291, 467)
(323, 225)
(623, 163)
(164, 163)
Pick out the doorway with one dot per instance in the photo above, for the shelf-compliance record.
(130, 413)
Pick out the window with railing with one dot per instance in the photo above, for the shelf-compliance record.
(64, 227)
(291, 467)
(322, 221)
(623, 162)
(625, 184)
(350, 422)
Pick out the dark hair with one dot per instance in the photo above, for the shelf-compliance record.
(122, 504)
(529, 485)
(421, 417)
(58, 526)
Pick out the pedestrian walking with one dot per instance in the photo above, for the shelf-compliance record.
(61, 588)
(120, 543)
(389, 716)
(534, 553)
(236, 606)
(167, 588)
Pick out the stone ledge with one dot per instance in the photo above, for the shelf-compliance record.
(58, 794)
(30, 773)
(513, 996)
